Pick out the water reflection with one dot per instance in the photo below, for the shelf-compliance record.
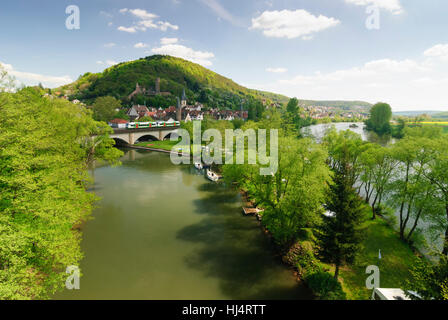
(165, 232)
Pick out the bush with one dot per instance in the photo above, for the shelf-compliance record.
(325, 286)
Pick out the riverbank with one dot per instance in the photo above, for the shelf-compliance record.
(396, 258)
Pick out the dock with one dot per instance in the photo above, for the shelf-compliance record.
(251, 211)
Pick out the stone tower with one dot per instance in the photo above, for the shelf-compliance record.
(184, 99)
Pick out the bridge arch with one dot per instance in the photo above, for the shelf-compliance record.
(169, 134)
(120, 142)
(146, 136)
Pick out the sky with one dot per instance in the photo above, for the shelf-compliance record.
(394, 51)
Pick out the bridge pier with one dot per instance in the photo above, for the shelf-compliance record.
(131, 138)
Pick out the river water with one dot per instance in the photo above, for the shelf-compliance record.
(165, 232)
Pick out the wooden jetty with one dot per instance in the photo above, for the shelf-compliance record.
(251, 211)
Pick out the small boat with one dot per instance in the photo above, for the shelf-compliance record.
(212, 176)
(198, 166)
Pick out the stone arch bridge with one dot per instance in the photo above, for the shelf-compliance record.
(131, 136)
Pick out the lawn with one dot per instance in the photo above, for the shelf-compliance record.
(397, 257)
(164, 145)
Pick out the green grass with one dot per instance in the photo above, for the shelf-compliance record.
(397, 257)
(164, 145)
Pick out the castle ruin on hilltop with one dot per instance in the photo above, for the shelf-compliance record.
(148, 92)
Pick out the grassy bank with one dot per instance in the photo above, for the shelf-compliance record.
(397, 257)
(164, 145)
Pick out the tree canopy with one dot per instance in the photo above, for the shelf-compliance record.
(46, 146)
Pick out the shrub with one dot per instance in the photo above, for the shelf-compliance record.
(325, 286)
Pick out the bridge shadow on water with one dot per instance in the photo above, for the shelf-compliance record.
(235, 251)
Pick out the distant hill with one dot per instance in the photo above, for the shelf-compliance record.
(416, 113)
(175, 74)
(343, 105)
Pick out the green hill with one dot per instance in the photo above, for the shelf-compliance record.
(175, 74)
(343, 105)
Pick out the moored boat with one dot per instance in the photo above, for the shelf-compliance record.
(212, 176)
(198, 166)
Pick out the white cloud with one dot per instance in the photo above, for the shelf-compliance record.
(145, 20)
(111, 62)
(165, 41)
(439, 50)
(127, 29)
(186, 53)
(393, 6)
(164, 26)
(291, 24)
(140, 45)
(143, 14)
(110, 45)
(405, 84)
(29, 78)
(107, 62)
(277, 70)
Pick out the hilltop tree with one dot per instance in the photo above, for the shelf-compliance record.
(105, 108)
(380, 116)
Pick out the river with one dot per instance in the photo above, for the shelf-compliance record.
(163, 231)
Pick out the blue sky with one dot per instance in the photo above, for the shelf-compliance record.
(312, 49)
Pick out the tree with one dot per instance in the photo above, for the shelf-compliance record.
(46, 146)
(429, 280)
(105, 108)
(145, 119)
(345, 149)
(380, 116)
(381, 171)
(293, 106)
(122, 115)
(437, 174)
(340, 236)
(411, 193)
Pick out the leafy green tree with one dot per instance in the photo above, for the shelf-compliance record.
(411, 193)
(293, 106)
(340, 236)
(145, 119)
(380, 116)
(105, 108)
(379, 168)
(121, 115)
(291, 197)
(429, 280)
(437, 174)
(345, 149)
(46, 146)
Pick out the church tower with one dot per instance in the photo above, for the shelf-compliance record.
(184, 99)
